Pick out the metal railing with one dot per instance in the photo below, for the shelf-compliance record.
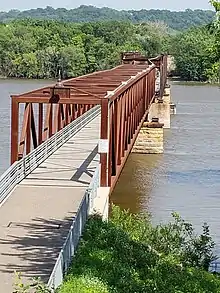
(214, 267)
(92, 189)
(68, 250)
(20, 169)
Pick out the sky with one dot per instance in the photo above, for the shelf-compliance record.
(123, 4)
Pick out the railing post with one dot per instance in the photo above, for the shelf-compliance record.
(28, 130)
(161, 78)
(103, 143)
(14, 129)
(40, 123)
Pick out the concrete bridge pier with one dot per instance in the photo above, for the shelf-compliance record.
(161, 109)
(172, 109)
(150, 138)
(101, 203)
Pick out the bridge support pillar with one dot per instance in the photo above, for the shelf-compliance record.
(101, 202)
(172, 109)
(150, 138)
(161, 109)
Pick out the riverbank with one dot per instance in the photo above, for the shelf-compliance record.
(178, 81)
(127, 254)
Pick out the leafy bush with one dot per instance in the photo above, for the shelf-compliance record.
(84, 284)
(35, 286)
(127, 254)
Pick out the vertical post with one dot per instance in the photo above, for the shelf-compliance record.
(40, 123)
(103, 149)
(111, 151)
(161, 77)
(73, 112)
(165, 70)
(28, 132)
(14, 129)
(118, 138)
(50, 125)
(59, 118)
(33, 128)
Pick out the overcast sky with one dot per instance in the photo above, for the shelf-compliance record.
(6, 5)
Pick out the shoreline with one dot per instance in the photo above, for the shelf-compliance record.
(173, 79)
(179, 81)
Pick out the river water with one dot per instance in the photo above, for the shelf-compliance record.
(7, 88)
(186, 178)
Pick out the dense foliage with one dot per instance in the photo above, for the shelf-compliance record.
(38, 49)
(175, 20)
(196, 55)
(33, 48)
(127, 254)
(197, 51)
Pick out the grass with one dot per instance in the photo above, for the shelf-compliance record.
(128, 255)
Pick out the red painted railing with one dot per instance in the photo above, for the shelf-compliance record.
(122, 116)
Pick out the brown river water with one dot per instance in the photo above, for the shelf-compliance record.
(185, 179)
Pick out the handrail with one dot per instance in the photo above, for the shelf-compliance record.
(22, 168)
(214, 267)
(68, 250)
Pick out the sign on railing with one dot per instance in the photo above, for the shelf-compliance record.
(20, 169)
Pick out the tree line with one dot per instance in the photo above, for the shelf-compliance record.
(177, 20)
(197, 51)
(40, 48)
(33, 48)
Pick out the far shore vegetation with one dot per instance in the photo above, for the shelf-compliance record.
(38, 47)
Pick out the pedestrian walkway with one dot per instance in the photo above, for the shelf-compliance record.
(36, 218)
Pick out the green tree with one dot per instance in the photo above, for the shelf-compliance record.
(195, 53)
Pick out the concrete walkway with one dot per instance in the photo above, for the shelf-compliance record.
(36, 217)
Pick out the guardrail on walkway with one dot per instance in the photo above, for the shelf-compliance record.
(22, 168)
(214, 267)
(68, 250)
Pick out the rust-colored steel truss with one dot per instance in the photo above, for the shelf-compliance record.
(124, 94)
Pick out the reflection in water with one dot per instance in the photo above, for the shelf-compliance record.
(186, 178)
(135, 184)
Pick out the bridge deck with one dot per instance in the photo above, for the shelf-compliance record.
(36, 217)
